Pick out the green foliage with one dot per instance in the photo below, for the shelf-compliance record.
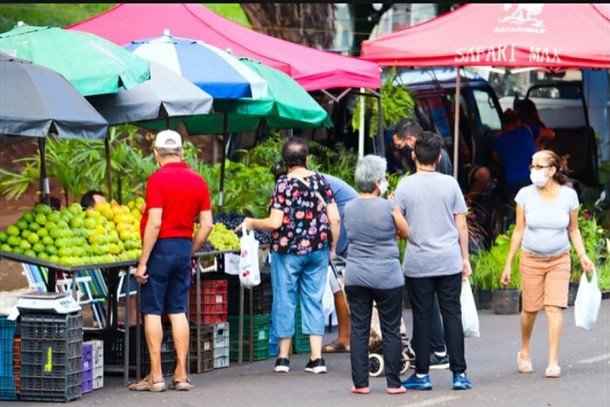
(488, 265)
(80, 165)
(397, 103)
(50, 14)
(593, 240)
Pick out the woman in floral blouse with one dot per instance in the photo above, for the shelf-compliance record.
(305, 221)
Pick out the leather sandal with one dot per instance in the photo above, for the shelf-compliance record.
(361, 390)
(181, 384)
(524, 365)
(148, 384)
(335, 347)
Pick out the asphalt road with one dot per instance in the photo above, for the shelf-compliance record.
(584, 358)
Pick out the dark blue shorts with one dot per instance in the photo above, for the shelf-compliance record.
(169, 278)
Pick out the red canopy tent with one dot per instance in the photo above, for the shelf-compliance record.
(552, 36)
(512, 35)
(311, 68)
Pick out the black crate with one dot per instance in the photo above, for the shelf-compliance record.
(262, 296)
(168, 363)
(51, 357)
(51, 389)
(206, 363)
(114, 343)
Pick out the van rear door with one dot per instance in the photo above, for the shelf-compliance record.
(562, 107)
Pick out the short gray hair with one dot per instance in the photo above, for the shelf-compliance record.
(164, 151)
(369, 170)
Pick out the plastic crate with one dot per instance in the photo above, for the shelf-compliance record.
(168, 363)
(87, 380)
(300, 341)
(214, 299)
(206, 363)
(221, 335)
(260, 337)
(7, 388)
(87, 352)
(222, 351)
(262, 296)
(17, 364)
(114, 343)
(51, 389)
(51, 357)
(221, 361)
(207, 338)
(97, 353)
(98, 377)
(7, 333)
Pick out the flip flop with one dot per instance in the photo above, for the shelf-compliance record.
(334, 347)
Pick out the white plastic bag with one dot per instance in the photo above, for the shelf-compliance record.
(249, 269)
(470, 318)
(587, 302)
(328, 299)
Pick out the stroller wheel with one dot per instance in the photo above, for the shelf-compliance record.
(375, 365)
(405, 363)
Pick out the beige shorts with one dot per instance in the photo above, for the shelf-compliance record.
(544, 281)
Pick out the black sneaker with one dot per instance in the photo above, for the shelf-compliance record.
(282, 365)
(316, 366)
(439, 362)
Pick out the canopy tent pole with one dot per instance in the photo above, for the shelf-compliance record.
(456, 132)
(380, 136)
(361, 126)
(108, 166)
(45, 192)
(222, 162)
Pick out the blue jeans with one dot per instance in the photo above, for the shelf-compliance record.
(292, 274)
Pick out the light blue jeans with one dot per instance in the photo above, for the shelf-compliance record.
(292, 274)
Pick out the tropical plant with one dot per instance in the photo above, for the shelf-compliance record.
(397, 103)
(593, 239)
(488, 265)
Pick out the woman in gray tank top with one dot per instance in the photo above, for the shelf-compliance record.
(373, 273)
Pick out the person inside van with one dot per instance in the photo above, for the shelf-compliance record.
(528, 113)
(514, 148)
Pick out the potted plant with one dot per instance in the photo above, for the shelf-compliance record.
(481, 279)
(592, 236)
(505, 299)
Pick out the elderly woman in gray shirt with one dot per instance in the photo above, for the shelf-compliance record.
(546, 221)
(373, 272)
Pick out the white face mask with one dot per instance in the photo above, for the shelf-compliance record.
(539, 178)
(383, 186)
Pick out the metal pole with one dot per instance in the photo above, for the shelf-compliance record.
(361, 127)
(222, 163)
(126, 338)
(456, 132)
(108, 166)
(45, 192)
(380, 135)
(240, 337)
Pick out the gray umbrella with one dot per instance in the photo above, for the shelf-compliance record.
(36, 101)
(165, 95)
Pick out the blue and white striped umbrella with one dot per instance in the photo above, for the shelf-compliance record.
(215, 71)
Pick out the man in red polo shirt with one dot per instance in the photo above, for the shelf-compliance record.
(175, 196)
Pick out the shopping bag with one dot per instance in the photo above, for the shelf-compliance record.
(249, 269)
(328, 299)
(587, 302)
(470, 318)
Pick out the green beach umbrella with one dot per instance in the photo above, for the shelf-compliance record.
(287, 106)
(93, 65)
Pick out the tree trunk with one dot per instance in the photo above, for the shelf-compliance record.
(303, 23)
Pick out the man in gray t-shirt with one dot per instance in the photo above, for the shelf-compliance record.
(406, 134)
(436, 259)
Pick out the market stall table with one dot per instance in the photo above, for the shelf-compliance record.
(108, 268)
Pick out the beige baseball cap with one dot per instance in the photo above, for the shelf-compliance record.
(168, 139)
